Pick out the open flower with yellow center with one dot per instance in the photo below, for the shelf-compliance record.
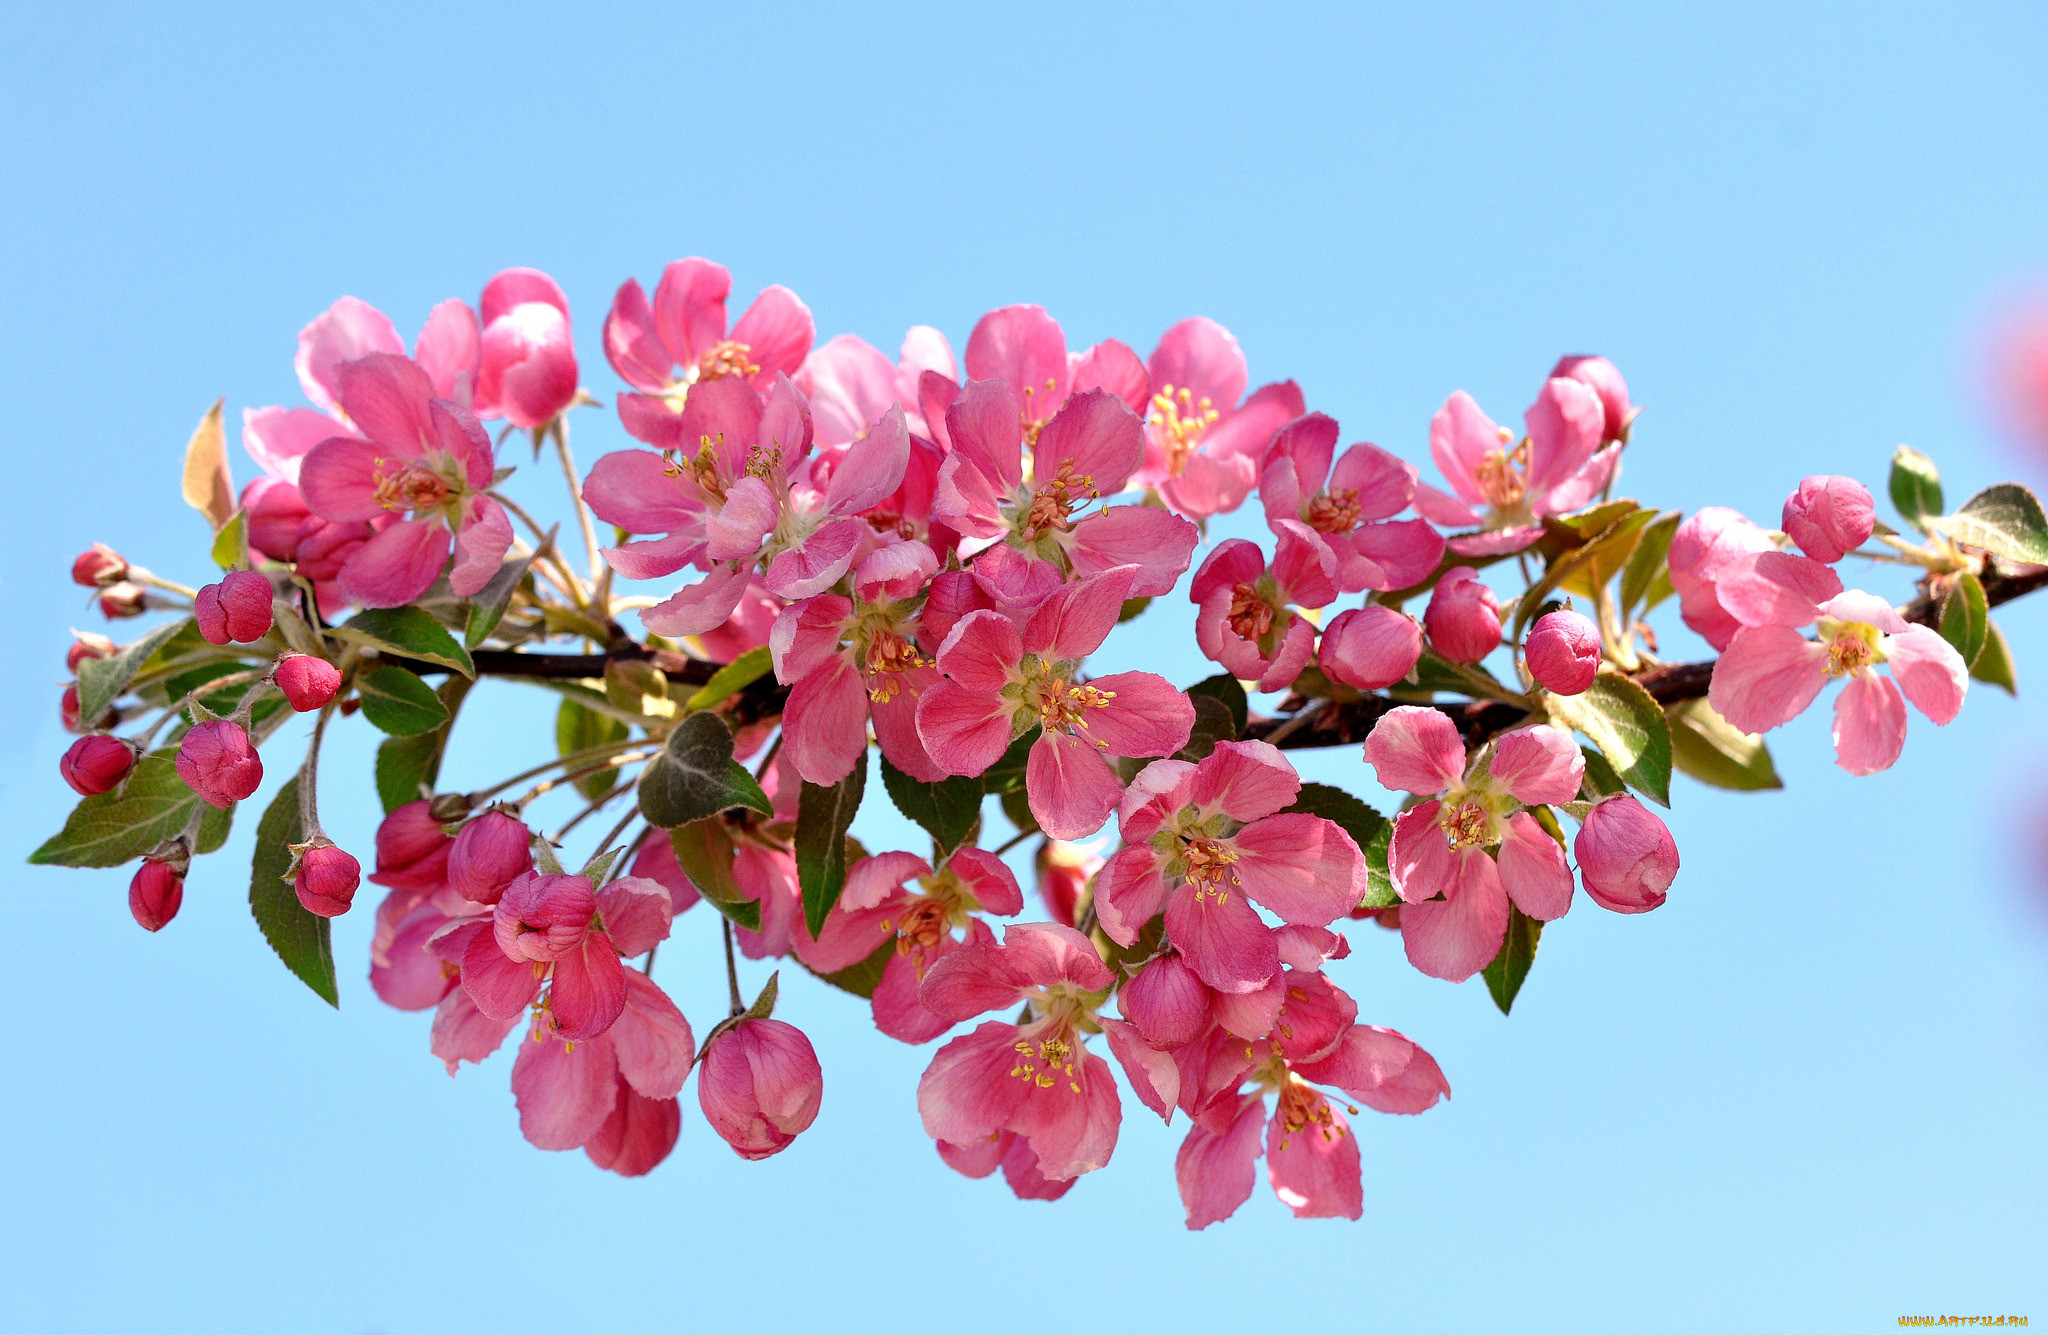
(1506, 485)
(1204, 437)
(679, 341)
(1349, 506)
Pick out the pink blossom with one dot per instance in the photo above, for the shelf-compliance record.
(681, 340)
(155, 893)
(307, 682)
(1507, 487)
(1035, 1079)
(412, 850)
(851, 383)
(96, 764)
(1463, 617)
(236, 610)
(1203, 447)
(1563, 652)
(1000, 682)
(1350, 507)
(98, 567)
(1457, 859)
(489, 853)
(1704, 545)
(326, 880)
(1626, 855)
(542, 932)
(526, 371)
(424, 456)
(575, 1093)
(1086, 450)
(217, 761)
(1203, 842)
(1771, 672)
(1370, 648)
(760, 1086)
(1245, 618)
(1604, 379)
(1013, 1154)
(1829, 517)
(1064, 871)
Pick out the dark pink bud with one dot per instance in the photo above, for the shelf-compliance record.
(155, 894)
(1064, 871)
(1829, 517)
(1167, 1002)
(1463, 616)
(412, 849)
(95, 764)
(123, 600)
(327, 880)
(489, 854)
(235, 610)
(217, 761)
(277, 515)
(1626, 857)
(1370, 648)
(324, 547)
(1563, 650)
(544, 917)
(1600, 375)
(67, 707)
(527, 370)
(306, 681)
(760, 1085)
(88, 645)
(98, 568)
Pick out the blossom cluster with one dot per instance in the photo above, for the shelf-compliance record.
(923, 554)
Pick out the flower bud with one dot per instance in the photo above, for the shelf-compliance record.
(1167, 1002)
(1829, 517)
(489, 853)
(412, 849)
(87, 645)
(277, 517)
(122, 600)
(1370, 648)
(544, 916)
(155, 894)
(327, 880)
(325, 547)
(1563, 651)
(1626, 857)
(67, 707)
(1064, 871)
(1463, 616)
(98, 568)
(217, 761)
(759, 1085)
(527, 370)
(95, 764)
(306, 681)
(1601, 376)
(235, 610)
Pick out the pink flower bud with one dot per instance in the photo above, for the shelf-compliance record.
(1829, 517)
(123, 600)
(235, 610)
(87, 645)
(489, 853)
(1370, 648)
(155, 894)
(67, 707)
(1167, 1002)
(327, 880)
(412, 849)
(306, 681)
(1600, 375)
(325, 547)
(95, 764)
(543, 917)
(1563, 650)
(1463, 616)
(1626, 856)
(1064, 871)
(277, 517)
(760, 1086)
(98, 568)
(527, 374)
(217, 762)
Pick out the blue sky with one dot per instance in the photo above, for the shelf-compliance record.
(1809, 1092)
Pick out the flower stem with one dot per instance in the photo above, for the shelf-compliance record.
(732, 971)
(560, 431)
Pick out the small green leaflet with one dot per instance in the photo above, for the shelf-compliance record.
(1994, 666)
(231, 544)
(407, 766)
(398, 703)
(487, 606)
(580, 729)
(304, 941)
(1651, 554)
(695, 776)
(1966, 617)
(704, 851)
(946, 810)
(2005, 520)
(1915, 486)
(102, 680)
(1627, 726)
(122, 825)
(409, 633)
(1510, 967)
(823, 816)
(733, 678)
(1716, 752)
(1230, 691)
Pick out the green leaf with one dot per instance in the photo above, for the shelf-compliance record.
(1213, 724)
(823, 816)
(946, 810)
(1016, 806)
(1994, 665)
(1966, 617)
(1367, 828)
(695, 776)
(1230, 691)
(733, 678)
(1649, 561)
(1627, 726)
(1517, 952)
(1915, 487)
(122, 825)
(580, 729)
(409, 633)
(302, 940)
(863, 978)
(1716, 752)
(407, 766)
(398, 703)
(101, 681)
(704, 851)
(1007, 774)
(487, 605)
(231, 544)
(1660, 587)
(1597, 559)
(1132, 609)
(1601, 780)
(2005, 520)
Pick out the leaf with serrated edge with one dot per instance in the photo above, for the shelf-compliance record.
(1510, 968)
(1628, 727)
(1716, 752)
(733, 678)
(152, 805)
(301, 939)
(1965, 616)
(823, 816)
(102, 680)
(398, 703)
(2005, 520)
(406, 632)
(694, 776)
(405, 765)
(1616, 540)
(946, 810)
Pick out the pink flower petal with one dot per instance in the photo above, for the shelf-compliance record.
(1216, 1172)
(1158, 543)
(1870, 724)
(1415, 749)
(1071, 788)
(1025, 347)
(1245, 780)
(396, 566)
(1538, 765)
(1930, 672)
(689, 307)
(565, 1091)
(1302, 867)
(1766, 677)
(1458, 936)
(1383, 1070)
(1533, 870)
(1315, 1170)
(1222, 939)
